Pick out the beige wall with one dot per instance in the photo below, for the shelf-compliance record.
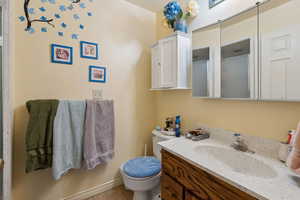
(161, 29)
(266, 119)
(124, 33)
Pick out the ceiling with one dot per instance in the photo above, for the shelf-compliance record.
(153, 5)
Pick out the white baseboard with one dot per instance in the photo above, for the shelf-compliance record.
(95, 190)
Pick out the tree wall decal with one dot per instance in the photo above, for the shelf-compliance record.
(46, 20)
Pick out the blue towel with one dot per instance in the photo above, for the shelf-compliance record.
(68, 137)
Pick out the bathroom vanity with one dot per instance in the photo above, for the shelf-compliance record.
(213, 170)
(184, 181)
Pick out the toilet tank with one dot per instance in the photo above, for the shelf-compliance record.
(157, 137)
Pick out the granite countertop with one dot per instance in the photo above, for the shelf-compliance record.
(269, 180)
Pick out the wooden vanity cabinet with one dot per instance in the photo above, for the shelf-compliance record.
(170, 189)
(184, 181)
(190, 196)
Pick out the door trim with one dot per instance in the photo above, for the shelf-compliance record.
(7, 100)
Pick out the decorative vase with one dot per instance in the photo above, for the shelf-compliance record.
(180, 25)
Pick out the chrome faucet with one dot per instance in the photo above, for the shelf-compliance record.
(239, 144)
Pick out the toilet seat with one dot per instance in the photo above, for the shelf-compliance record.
(139, 179)
(142, 167)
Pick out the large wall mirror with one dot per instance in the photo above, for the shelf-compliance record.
(206, 56)
(238, 49)
(251, 56)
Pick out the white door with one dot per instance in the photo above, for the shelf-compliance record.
(280, 68)
(155, 54)
(168, 57)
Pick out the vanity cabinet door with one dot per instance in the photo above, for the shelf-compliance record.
(170, 189)
(190, 196)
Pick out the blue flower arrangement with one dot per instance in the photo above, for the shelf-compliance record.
(175, 17)
(172, 12)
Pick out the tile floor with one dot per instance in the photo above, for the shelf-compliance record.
(118, 193)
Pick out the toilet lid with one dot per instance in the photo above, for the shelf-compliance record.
(142, 167)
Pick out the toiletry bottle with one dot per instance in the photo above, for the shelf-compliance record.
(177, 126)
(291, 137)
(289, 140)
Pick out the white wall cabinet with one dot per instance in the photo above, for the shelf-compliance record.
(171, 62)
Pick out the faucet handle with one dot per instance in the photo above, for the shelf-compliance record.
(238, 137)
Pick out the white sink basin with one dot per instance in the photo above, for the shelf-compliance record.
(239, 162)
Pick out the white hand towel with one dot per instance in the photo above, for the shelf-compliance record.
(68, 137)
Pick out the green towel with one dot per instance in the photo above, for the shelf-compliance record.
(39, 135)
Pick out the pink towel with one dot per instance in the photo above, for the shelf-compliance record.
(99, 134)
(294, 158)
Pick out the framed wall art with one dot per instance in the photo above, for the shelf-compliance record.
(97, 74)
(61, 54)
(89, 50)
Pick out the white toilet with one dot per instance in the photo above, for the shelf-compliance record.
(145, 186)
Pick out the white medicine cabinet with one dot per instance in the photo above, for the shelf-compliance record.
(235, 68)
(251, 56)
(238, 61)
(171, 63)
(206, 63)
(280, 48)
(202, 74)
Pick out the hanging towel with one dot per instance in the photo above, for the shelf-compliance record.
(294, 157)
(68, 137)
(39, 135)
(99, 133)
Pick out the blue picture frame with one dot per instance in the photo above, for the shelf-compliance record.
(92, 70)
(82, 54)
(55, 59)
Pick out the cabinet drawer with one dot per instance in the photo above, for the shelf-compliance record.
(202, 184)
(170, 189)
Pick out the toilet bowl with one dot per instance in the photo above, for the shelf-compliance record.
(143, 188)
(145, 181)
